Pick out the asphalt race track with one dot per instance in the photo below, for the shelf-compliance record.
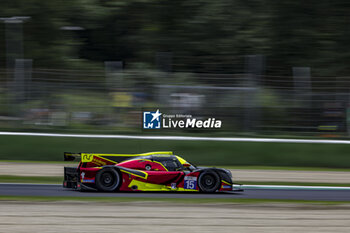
(51, 190)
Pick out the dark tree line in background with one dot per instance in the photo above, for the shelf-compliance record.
(202, 35)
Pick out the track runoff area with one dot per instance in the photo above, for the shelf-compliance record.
(250, 191)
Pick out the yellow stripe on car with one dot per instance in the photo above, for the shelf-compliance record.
(144, 186)
(88, 157)
(225, 182)
(181, 160)
(158, 153)
(134, 173)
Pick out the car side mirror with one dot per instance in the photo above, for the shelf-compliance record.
(186, 165)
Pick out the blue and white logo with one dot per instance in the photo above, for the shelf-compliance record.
(151, 120)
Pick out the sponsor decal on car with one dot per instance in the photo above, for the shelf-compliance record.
(86, 180)
(92, 180)
(85, 158)
(98, 161)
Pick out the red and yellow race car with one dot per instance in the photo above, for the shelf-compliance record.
(154, 171)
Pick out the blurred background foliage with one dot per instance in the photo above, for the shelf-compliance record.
(265, 68)
(289, 33)
(262, 66)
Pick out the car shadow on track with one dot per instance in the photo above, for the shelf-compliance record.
(239, 192)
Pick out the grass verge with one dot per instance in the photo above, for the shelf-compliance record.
(31, 179)
(198, 152)
(41, 162)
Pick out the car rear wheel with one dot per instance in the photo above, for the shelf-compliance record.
(208, 181)
(108, 180)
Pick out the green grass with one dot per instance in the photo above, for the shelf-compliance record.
(31, 179)
(199, 152)
(41, 162)
(166, 200)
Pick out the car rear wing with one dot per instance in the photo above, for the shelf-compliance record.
(116, 158)
(68, 156)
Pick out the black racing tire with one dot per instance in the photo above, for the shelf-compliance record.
(208, 181)
(108, 180)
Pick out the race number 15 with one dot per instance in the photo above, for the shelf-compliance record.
(190, 184)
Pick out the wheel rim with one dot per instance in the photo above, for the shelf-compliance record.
(208, 181)
(107, 179)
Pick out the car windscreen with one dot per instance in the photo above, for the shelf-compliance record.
(170, 163)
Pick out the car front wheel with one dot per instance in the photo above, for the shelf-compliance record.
(208, 181)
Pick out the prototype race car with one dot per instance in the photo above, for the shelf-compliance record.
(154, 171)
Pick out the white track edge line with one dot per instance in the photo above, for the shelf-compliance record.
(184, 138)
(39, 184)
(295, 187)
